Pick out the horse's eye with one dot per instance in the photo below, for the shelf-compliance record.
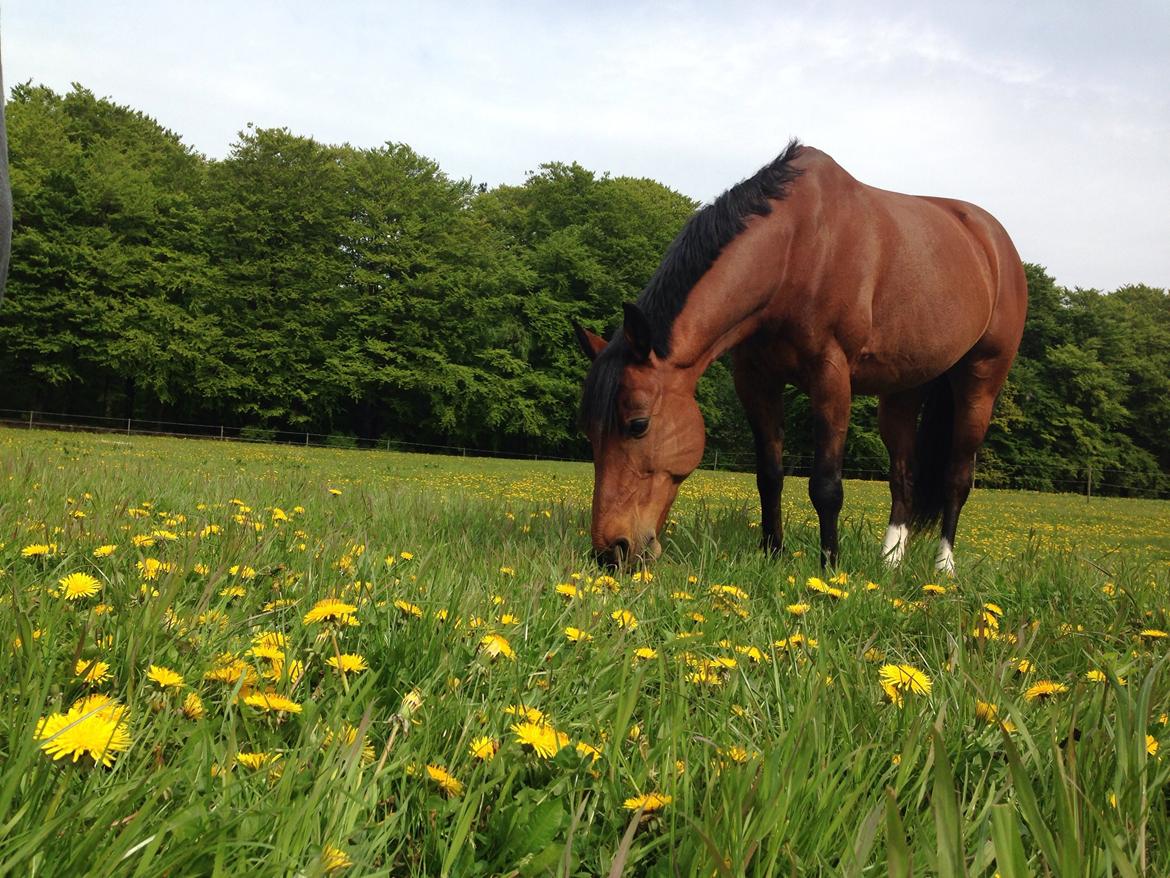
(638, 427)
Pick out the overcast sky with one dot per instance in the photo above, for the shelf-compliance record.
(1053, 115)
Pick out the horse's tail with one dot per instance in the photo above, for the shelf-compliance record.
(932, 450)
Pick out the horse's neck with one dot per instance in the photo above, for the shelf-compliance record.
(726, 305)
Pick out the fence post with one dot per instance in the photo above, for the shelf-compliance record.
(716, 464)
(1089, 482)
(221, 431)
(306, 438)
(30, 419)
(127, 426)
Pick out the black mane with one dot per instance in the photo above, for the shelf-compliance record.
(689, 257)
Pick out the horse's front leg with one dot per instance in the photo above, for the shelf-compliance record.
(763, 403)
(830, 395)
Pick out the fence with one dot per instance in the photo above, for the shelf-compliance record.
(1089, 480)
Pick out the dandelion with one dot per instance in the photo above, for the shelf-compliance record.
(92, 671)
(446, 781)
(193, 706)
(541, 738)
(588, 751)
(509, 619)
(408, 609)
(164, 677)
(334, 859)
(645, 653)
(899, 680)
(932, 588)
(484, 748)
(331, 610)
(105, 551)
(150, 568)
(643, 576)
(577, 635)
(1153, 634)
(347, 663)
(1151, 745)
(38, 550)
(626, 620)
(494, 645)
(798, 609)
(648, 803)
(336, 492)
(78, 585)
(95, 726)
(256, 760)
(272, 702)
(348, 737)
(567, 590)
(1044, 690)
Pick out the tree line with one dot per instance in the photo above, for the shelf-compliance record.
(367, 294)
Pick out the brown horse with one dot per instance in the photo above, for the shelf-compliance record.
(813, 279)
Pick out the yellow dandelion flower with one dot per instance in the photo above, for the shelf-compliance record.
(904, 679)
(336, 492)
(648, 803)
(577, 635)
(193, 706)
(105, 551)
(331, 610)
(347, 663)
(256, 760)
(38, 550)
(1153, 634)
(567, 590)
(406, 556)
(494, 645)
(334, 859)
(92, 671)
(347, 736)
(408, 609)
(625, 619)
(541, 738)
(645, 653)
(933, 588)
(95, 726)
(509, 619)
(643, 576)
(78, 585)
(1044, 689)
(272, 702)
(588, 750)
(607, 582)
(445, 780)
(1151, 745)
(164, 677)
(484, 748)
(798, 609)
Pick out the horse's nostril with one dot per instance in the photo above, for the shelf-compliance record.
(621, 548)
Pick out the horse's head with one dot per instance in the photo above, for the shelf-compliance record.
(647, 434)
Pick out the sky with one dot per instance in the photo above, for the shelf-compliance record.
(1055, 116)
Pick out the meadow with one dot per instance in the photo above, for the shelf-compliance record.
(219, 658)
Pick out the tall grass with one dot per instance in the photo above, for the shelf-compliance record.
(777, 759)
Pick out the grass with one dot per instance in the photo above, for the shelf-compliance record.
(768, 731)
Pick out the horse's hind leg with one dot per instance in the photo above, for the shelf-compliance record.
(975, 383)
(897, 422)
(763, 403)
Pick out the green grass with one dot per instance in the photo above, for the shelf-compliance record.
(792, 764)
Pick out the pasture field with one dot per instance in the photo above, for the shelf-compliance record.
(224, 659)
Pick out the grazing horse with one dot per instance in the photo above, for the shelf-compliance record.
(814, 279)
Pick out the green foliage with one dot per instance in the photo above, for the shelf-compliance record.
(300, 286)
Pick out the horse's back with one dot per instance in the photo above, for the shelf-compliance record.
(916, 279)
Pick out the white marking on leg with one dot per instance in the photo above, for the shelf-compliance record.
(894, 545)
(945, 560)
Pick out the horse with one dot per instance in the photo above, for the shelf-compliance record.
(812, 279)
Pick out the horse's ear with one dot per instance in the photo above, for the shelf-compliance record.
(637, 332)
(591, 343)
